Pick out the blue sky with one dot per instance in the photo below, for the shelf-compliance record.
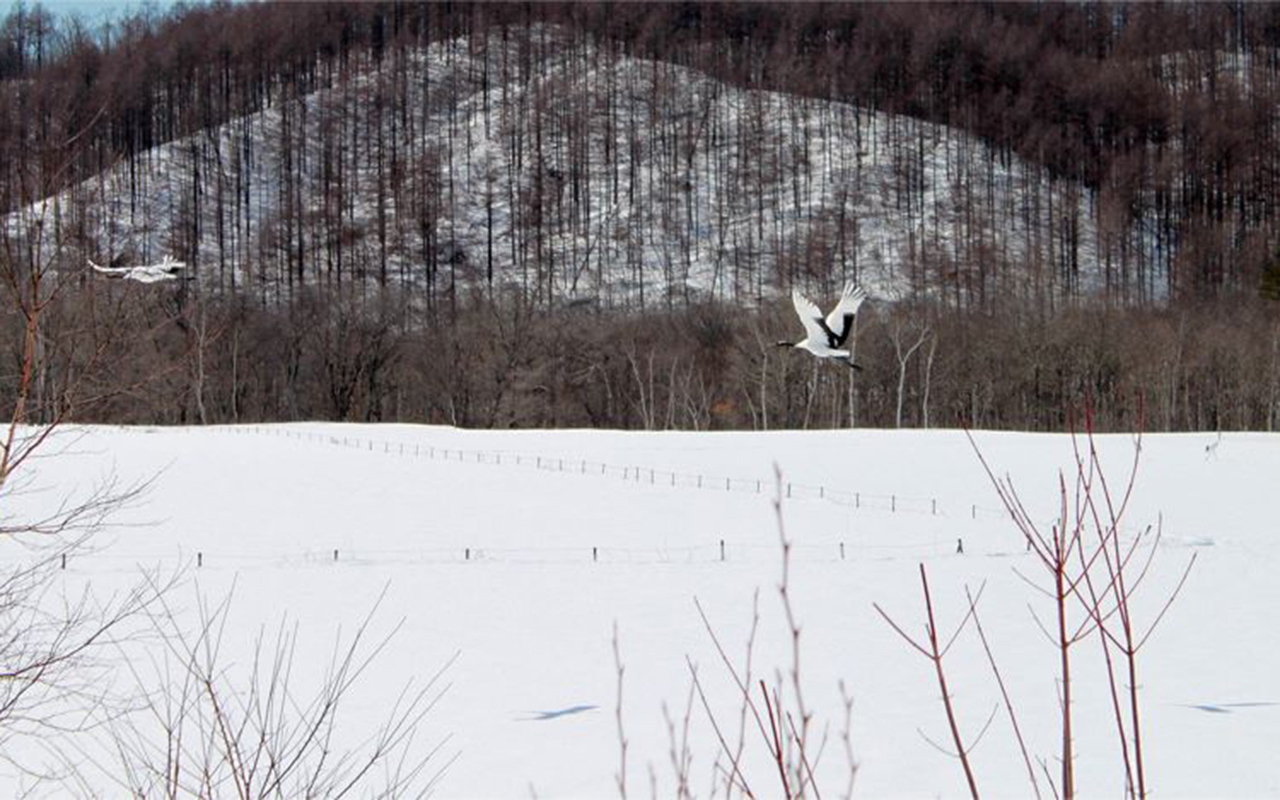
(91, 10)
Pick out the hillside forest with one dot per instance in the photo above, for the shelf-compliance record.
(593, 215)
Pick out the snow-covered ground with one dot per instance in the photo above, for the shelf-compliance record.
(531, 613)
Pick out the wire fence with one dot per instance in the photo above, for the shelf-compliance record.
(721, 552)
(706, 552)
(637, 474)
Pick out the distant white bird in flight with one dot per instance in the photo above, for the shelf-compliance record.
(167, 270)
(824, 337)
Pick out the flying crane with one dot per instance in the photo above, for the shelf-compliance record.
(825, 337)
(167, 270)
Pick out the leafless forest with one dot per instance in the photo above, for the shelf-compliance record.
(592, 215)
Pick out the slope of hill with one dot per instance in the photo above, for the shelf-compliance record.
(531, 160)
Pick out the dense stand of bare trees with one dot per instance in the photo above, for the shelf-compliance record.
(1210, 366)
(573, 214)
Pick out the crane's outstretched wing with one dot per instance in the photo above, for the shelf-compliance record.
(146, 275)
(810, 316)
(840, 321)
(167, 266)
(111, 272)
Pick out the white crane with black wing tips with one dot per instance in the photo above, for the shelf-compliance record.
(168, 269)
(825, 337)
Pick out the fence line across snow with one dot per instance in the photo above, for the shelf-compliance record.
(721, 551)
(893, 503)
(715, 551)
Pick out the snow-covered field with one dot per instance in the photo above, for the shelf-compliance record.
(490, 556)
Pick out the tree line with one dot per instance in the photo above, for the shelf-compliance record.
(1209, 366)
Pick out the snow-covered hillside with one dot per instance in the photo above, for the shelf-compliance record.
(522, 550)
(579, 173)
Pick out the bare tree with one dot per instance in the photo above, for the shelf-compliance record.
(935, 653)
(52, 686)
(205, 730)
(1090, 567)
(778, 713)
(900, 335)
(55, 670)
